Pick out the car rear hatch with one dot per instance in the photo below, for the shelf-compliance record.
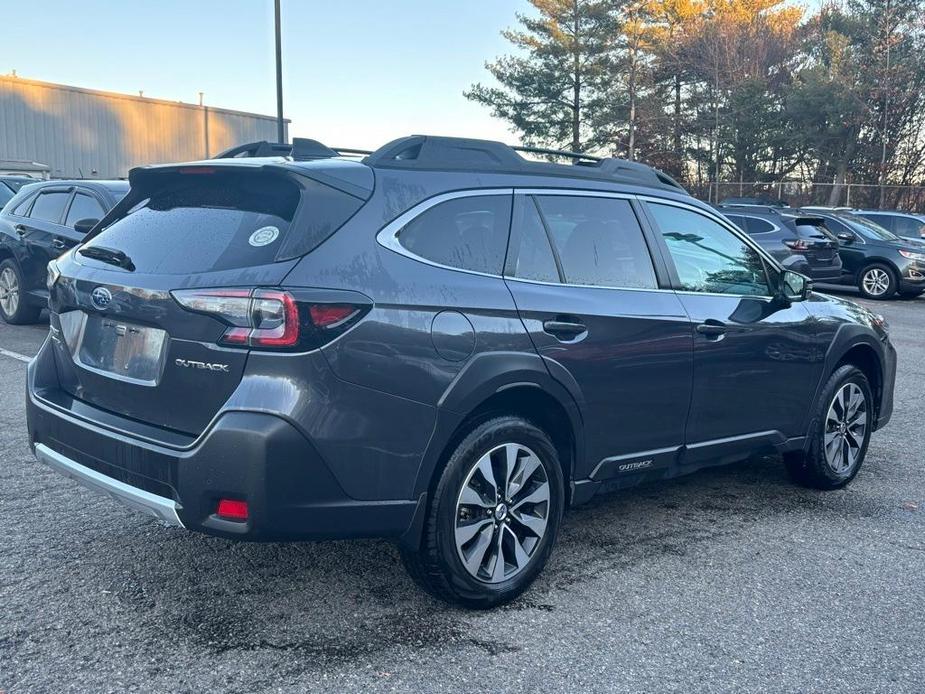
(154, 316)
(816, 243)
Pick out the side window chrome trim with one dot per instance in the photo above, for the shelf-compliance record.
(387, 237)
(725, 223)
(511, 278)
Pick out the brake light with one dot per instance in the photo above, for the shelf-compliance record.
(270, 318)
(797, 245)
(197, 170)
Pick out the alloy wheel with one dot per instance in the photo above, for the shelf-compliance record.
(845, 428)
(502, 513)
(876, 281)
(9, 291)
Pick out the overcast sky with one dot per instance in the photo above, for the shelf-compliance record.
(356, 72)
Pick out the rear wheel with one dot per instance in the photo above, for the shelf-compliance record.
(877, 282)
(494, 516)
(13, 307)
(842, 424)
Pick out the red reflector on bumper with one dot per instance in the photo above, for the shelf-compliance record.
(232, 509)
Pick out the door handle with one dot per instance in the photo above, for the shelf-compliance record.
(564, 329)
(20, 229)
(58, 244)
(712, 329)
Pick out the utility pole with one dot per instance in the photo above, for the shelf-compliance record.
(280, 123)
(886, 103)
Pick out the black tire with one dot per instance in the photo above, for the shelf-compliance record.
(437, 566)
(23, 312)
(879, 270)
(911, 293)
(810, 467)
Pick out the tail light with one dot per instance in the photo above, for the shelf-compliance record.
(270, 318)
(797, 245)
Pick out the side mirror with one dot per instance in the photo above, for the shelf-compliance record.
(82, 226)
(793, 286)
(845, 237)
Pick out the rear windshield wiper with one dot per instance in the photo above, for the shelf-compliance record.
(108, 255)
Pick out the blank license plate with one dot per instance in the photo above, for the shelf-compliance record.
(123, 350)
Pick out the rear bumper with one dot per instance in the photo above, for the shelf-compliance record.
(253, 456)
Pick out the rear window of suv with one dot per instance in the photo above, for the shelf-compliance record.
(187, 223)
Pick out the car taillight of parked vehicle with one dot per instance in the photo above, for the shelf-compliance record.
(270, 318)
(797, 245)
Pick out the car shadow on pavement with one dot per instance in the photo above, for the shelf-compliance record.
(335, 602)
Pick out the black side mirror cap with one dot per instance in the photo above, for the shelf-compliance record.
(83, 226)
(845, 237)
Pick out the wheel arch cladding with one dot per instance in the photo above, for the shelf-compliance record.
(514, 383)
(865, 358)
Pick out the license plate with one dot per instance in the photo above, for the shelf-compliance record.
(118, 349)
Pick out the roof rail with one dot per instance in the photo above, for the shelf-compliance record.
(301, 149)
(577, 156)
(425, 152)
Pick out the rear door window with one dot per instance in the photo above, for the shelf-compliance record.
(530, 257)
(598, 241)
(468, 233)
(49, 206)
(186, 223)
(755, 225)
(83, 206)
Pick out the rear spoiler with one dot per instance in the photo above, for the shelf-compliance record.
(356, 181)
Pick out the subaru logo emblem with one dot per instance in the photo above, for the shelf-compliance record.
(101, 297)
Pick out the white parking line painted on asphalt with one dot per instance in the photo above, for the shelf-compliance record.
(14, 355)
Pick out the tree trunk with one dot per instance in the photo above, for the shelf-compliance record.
(576, 84)
(632, 88)
(677, 119)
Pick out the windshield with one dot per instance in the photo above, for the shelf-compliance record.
(867, 228)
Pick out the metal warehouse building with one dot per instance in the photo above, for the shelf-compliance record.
(84, 133)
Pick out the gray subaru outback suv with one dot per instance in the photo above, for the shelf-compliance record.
(443, 343)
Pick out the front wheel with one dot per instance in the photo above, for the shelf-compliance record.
(842, 423)
(877, 282)
(494, 516)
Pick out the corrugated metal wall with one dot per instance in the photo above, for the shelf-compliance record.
(83, 133)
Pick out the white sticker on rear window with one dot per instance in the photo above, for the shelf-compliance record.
(264, 236)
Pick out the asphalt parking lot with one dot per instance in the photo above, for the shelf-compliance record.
(728, 580)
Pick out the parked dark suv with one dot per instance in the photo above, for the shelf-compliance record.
(41, 222)
(799, 242)
(444, 344)
(903, 224)
(877, 261)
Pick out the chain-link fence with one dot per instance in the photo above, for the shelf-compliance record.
(796, 194)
